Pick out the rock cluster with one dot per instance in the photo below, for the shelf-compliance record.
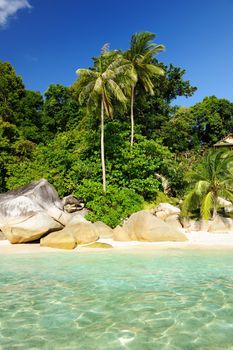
(218, 225)
(31, 211)
(71, 235)
(34, 212)
(144, 226)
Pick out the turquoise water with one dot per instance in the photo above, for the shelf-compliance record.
(158, 300)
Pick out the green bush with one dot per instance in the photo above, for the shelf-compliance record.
(111, 208)
(161, 197)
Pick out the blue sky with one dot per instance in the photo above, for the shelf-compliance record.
(47, 40)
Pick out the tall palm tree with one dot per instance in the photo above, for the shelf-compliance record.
(100, 86)
(213, 179)
(140, 56)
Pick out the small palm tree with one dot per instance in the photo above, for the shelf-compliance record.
(213, 179)
(140, 56)
(100, 86)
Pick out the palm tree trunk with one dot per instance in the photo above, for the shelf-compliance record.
(102, 146)
(215, 203)
(132, 117)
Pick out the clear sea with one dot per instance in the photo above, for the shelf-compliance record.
(170, 299)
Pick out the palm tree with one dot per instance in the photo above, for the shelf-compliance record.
(213, 179)
(100, 86)
(140, 56)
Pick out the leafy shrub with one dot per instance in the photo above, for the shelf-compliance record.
(111, 208)
(161, 197)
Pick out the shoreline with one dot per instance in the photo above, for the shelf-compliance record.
(200, 240)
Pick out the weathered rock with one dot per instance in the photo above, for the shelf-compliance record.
(227, 205)
(104, 231)
(169, 208)
(61, 239)
(174, 222)
(199, 225)
(72, 204)
(162, 215)
(195, 225)
(221, 224)
(23, 208)
(164, 210)
(83, 232)
(76, 218)
(2, 236)
(119, 234)
(31, 229)
(186, 222)
(98, 245)
(144, 226)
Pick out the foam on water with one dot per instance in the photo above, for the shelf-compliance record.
(158, 300)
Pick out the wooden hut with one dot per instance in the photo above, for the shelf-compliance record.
(226, 142)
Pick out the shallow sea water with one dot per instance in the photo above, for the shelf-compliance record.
(103, 300)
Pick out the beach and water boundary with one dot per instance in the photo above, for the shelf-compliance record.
(201, 240)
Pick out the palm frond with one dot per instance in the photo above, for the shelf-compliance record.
(141, 42)
(154, 70)
(116, 91)
(154, 50)
(118, 61)
(81, 72)
(146, 81)
(107, 102)
(86, 91)
(202, 187)
(206, 205)
(98, 85)
(190, 202)
(227, 193)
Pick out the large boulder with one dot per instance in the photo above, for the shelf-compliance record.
(61, 239)
(119, 234)
(31, 229)
(104, 230)
(31, 211)
(174, 222)
(71, 235)
(164, 210)
(83, 232)
(75, 218)
(144, 226)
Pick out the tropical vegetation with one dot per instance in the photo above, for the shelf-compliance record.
(115, 137)
(211, 181)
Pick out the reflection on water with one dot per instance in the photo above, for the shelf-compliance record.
(158, 300)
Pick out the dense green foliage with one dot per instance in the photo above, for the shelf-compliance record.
(210, 180)
(56, 137)
(111, 208)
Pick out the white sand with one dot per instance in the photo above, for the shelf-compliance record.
(196, 240)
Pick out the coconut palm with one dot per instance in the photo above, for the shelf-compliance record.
(213, 179)
(140, 56)
(100, 86)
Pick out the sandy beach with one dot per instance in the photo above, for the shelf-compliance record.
(196, 240)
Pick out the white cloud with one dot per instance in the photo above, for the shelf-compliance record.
(10, 7)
